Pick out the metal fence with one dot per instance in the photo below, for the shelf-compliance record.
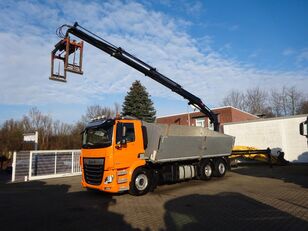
(35, 165)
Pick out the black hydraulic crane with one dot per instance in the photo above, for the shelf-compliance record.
(129, 59)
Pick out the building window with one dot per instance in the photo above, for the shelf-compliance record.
(200, 122)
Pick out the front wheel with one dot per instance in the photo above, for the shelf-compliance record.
(141, 182)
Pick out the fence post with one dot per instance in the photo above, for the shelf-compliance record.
(30, 166)
(14, 166)
(55, 162)
(72, 162)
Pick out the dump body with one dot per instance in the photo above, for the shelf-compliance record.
(176, 142)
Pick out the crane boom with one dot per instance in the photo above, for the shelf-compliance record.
(146, 69)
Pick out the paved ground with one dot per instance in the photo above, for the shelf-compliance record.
(248, 198)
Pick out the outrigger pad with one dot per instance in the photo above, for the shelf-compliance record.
(58, 78)
(67, 56)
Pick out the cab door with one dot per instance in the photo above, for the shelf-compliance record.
(126, 148)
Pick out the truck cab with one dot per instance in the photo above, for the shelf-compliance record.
(111, 150)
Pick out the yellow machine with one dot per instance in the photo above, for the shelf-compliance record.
(252, 153)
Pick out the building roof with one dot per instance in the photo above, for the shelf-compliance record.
(269, 119)
(213, 109)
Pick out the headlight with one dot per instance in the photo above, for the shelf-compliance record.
(108, 179)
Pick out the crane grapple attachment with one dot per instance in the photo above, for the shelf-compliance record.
(67, 56)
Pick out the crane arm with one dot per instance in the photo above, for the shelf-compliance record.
(146, 69)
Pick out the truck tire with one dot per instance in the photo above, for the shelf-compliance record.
(220, 167)
(205, 170)
(141, 182)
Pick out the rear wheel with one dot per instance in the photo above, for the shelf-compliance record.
(141, 182)
(205, 170)
(220, 167)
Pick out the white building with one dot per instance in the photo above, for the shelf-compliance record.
(281, 132)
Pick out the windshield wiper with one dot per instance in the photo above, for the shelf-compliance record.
(87, 145)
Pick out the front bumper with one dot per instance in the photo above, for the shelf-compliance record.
(118, 184)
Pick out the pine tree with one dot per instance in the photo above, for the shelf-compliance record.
(137, 103)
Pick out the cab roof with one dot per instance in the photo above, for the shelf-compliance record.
(97, 123)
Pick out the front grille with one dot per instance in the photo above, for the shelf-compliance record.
(93, 169)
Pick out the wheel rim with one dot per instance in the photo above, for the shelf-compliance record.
(221, 168)
(207, 170)
(141, 182)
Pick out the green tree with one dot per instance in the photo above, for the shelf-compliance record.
(137, 103)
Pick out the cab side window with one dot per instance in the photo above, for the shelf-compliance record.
(130, 132)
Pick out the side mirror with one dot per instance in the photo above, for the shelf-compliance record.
(303, 129)
(123, 140)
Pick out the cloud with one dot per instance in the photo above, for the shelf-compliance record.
(194, 7)
(233, 27)
(27, 37)
(288, 52)
(254, 54)
(185, 6)
(302, 56)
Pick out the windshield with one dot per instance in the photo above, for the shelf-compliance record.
(97, 137)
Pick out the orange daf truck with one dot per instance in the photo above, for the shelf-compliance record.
(127, 154)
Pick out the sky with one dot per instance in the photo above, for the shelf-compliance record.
(209, 47)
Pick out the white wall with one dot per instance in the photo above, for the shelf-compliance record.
(280, 132)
